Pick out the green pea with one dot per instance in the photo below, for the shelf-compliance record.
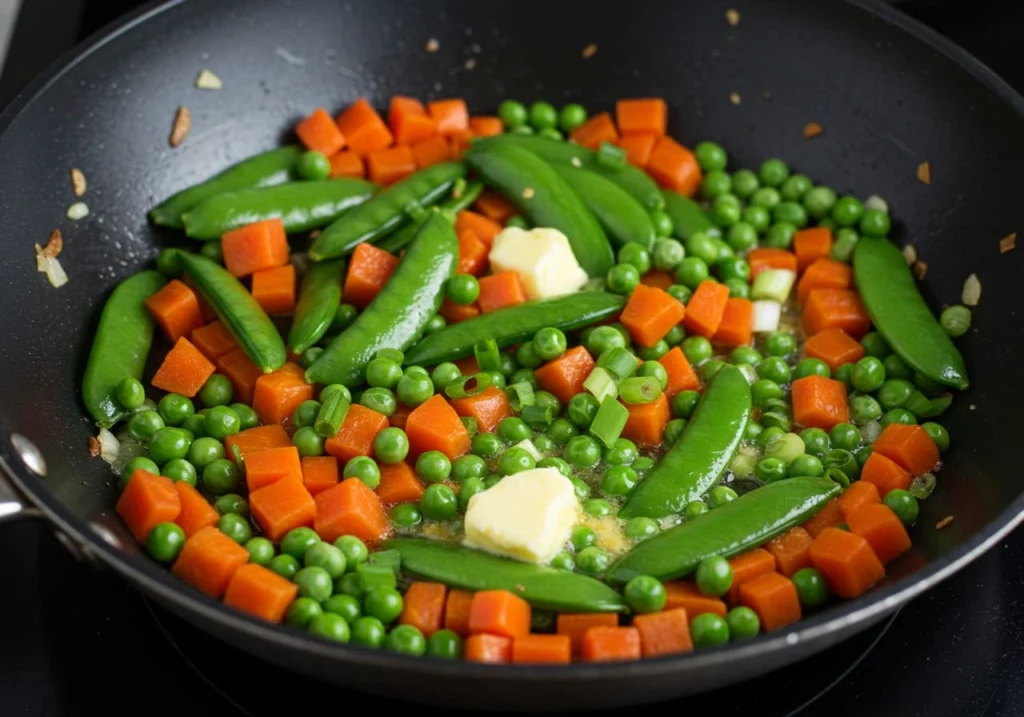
(515, 460)
(663, 226)
(512, 114)
(543, 115)
(169, 443)
(325, 556)
(165, 541)
(581, 410)
(779, 343)
(582, 452)
(790, 213)
(563, 561)
(175, 408)
(773, 172)
(549, 344)
(308, 442)
(302, 611)
(561, 430)
(597, 507)
(653, 353)
(622, 453)
(379, 399)
(368, 632)
(683, 404)
(766, 198)
(819, 201)
(668, 253)
(691, 271)
(710, 156)
(734, 267)
(898, 415)
(955, 320)
(354, 550)
(179, 469)
(344, 606)
(470, 487)
(284, 565)
(893, 393)
(864, 409)
(313, 165)
(232, 503)
(697, 349)
(194, 425)
(314, 582)
(246, 415)
(868, 374)
(709, 630)
(720, 495)
(811, 587)
(895, 367)
(938, 434)
(221, 422)
(439, 502)
(217, 391)
(645, 594)
(143, 424)
(780, 235)
(845, 243)
(622, 278)
(583, 537)
(463, 289)
(673, 429)
(486, 445)
(744, 183)
(636, 255)
(845, 436)
(391, 445)
(330, 626)
(433, 466)
(385, 604)
(847, 211)
(443, 374)
(572, 116)
(407, 640)
(694, 508)
(771, 469)
(544, 399)
(875, 223)
(745, 355)
(235, 527)
(744, 624)
(131, 394)
(468, 466)
(406, 515)
(305, 414)
(444, 644)
(811, 367)
(774, 368)
(816, 441)
(675, 336)
(703, 247)
(714, 576)
(716, 183)
(903, 504)
(383, 373)
(593, 560)
(297, 541)
(618, 481)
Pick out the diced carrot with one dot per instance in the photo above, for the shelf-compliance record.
(214, 340)
(664, 633)
(467, 366)
(274, 289)
(368, 272)
(499, 612)
(451, 116)
(282, 506)
(265, 467)
(494, 206)
(350, 508)
(488, 407)
(651, 313)
(791, 550)
(423, 607)
(645, 116)
(260, 592)
(684, 594)
(834, 347)
(824, 274)
(860, 492)
(885, 474)
(611, 644)
(472, 254)
(254, 247)
(196, 512)
(657, 279)
(500, 290)
(454, 313)
(565, 375)
(541, 650)
(819, 402)
(184, 369)
(575, 625)
(486, 126)
(774, 599)
(910, 446)
(398, 484)
(387, 166)
(673, 166)
(458, 143)
(638, 148)
(319, 133)
(484, 228)
(347, 164)
(363, 128)
(358, 431)
(705, 308)
(409, 121)
(848, 562)
(490, 649)
(681, 376)
(147, 501)
(599, 128)
(435, 426)
(737, 325)
(319, 473)
(835, 309)
(645, 425)
(829, 516)
(456, 612)
(433, 150)
(747, 567)
(258, 438)
(812, 244)
(241, 371)
(176, 308)
(882, 528)
(279, 393)
(400, 416)
(768, 258)
(208, 560)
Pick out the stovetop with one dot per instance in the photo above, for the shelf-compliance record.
(74, 641)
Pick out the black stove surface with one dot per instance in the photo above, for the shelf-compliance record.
(74, 641)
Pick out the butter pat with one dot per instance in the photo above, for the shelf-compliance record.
(542, 258)
(527, 516)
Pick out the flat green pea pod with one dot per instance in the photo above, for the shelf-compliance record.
(901, 315)
(387, 211)
(635, 182)
(300, 205)
(120, 347)
(397, 240)
(735, 527)
(621, 216)
(319, 298)
(262, 170)
(687, 216)
(467, 569)
(700, 454)
(545, 198)
(401, 310)
(234, 305)
(514, 325)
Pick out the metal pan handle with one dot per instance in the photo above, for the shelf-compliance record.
(13, 504)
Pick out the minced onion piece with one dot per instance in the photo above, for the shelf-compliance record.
(110, 447)
(870, 431)
(773, 284)
(876, 202)
(922, 486)
(909, 254)
(50, 266)
(208, 81)
(766, 316)
(78, 210)
(972, 291)
(527, 445)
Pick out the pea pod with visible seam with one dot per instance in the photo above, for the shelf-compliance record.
(387, 211)
(701, 453)
(687, 216)
(545, 198)
(319, 298)
(901, 315)
(467, 569)
(262, 170)
(247, 322)
(120, 346)
(400, 311)
(398, 240)
(621, 216)
(740, 525)
(300, 205)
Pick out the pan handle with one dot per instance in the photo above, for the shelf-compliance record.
(12, 504)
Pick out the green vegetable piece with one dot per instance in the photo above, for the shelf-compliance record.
(398, 239)
(622, 217)
(319, 299)
(332, 412)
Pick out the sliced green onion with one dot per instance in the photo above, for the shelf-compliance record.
(332, 413)
(843, 460)
(610, 156)
(488, 357)
(787, 448)
(609, 421)
(601, 384)
(773, 284)
(538, 417)
(619, 361)
(466, 386)
(470, 423)
(937, 406)
(922, 486)
(838, 476)
(520, 395)
(640, 389)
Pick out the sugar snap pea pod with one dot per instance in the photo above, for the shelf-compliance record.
(700, 454)
(687, 216)
(301, 205)
(621, 216)
(514, 324)
(465, 568)
(398, 239)
(247, 322)
(545, 198)
(901, 315)
(319, 298)
(261, 170)
(401, 310)
(121, 345)
(740, 525)
(387, 211)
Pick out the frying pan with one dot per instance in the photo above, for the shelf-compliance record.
(889, 93)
